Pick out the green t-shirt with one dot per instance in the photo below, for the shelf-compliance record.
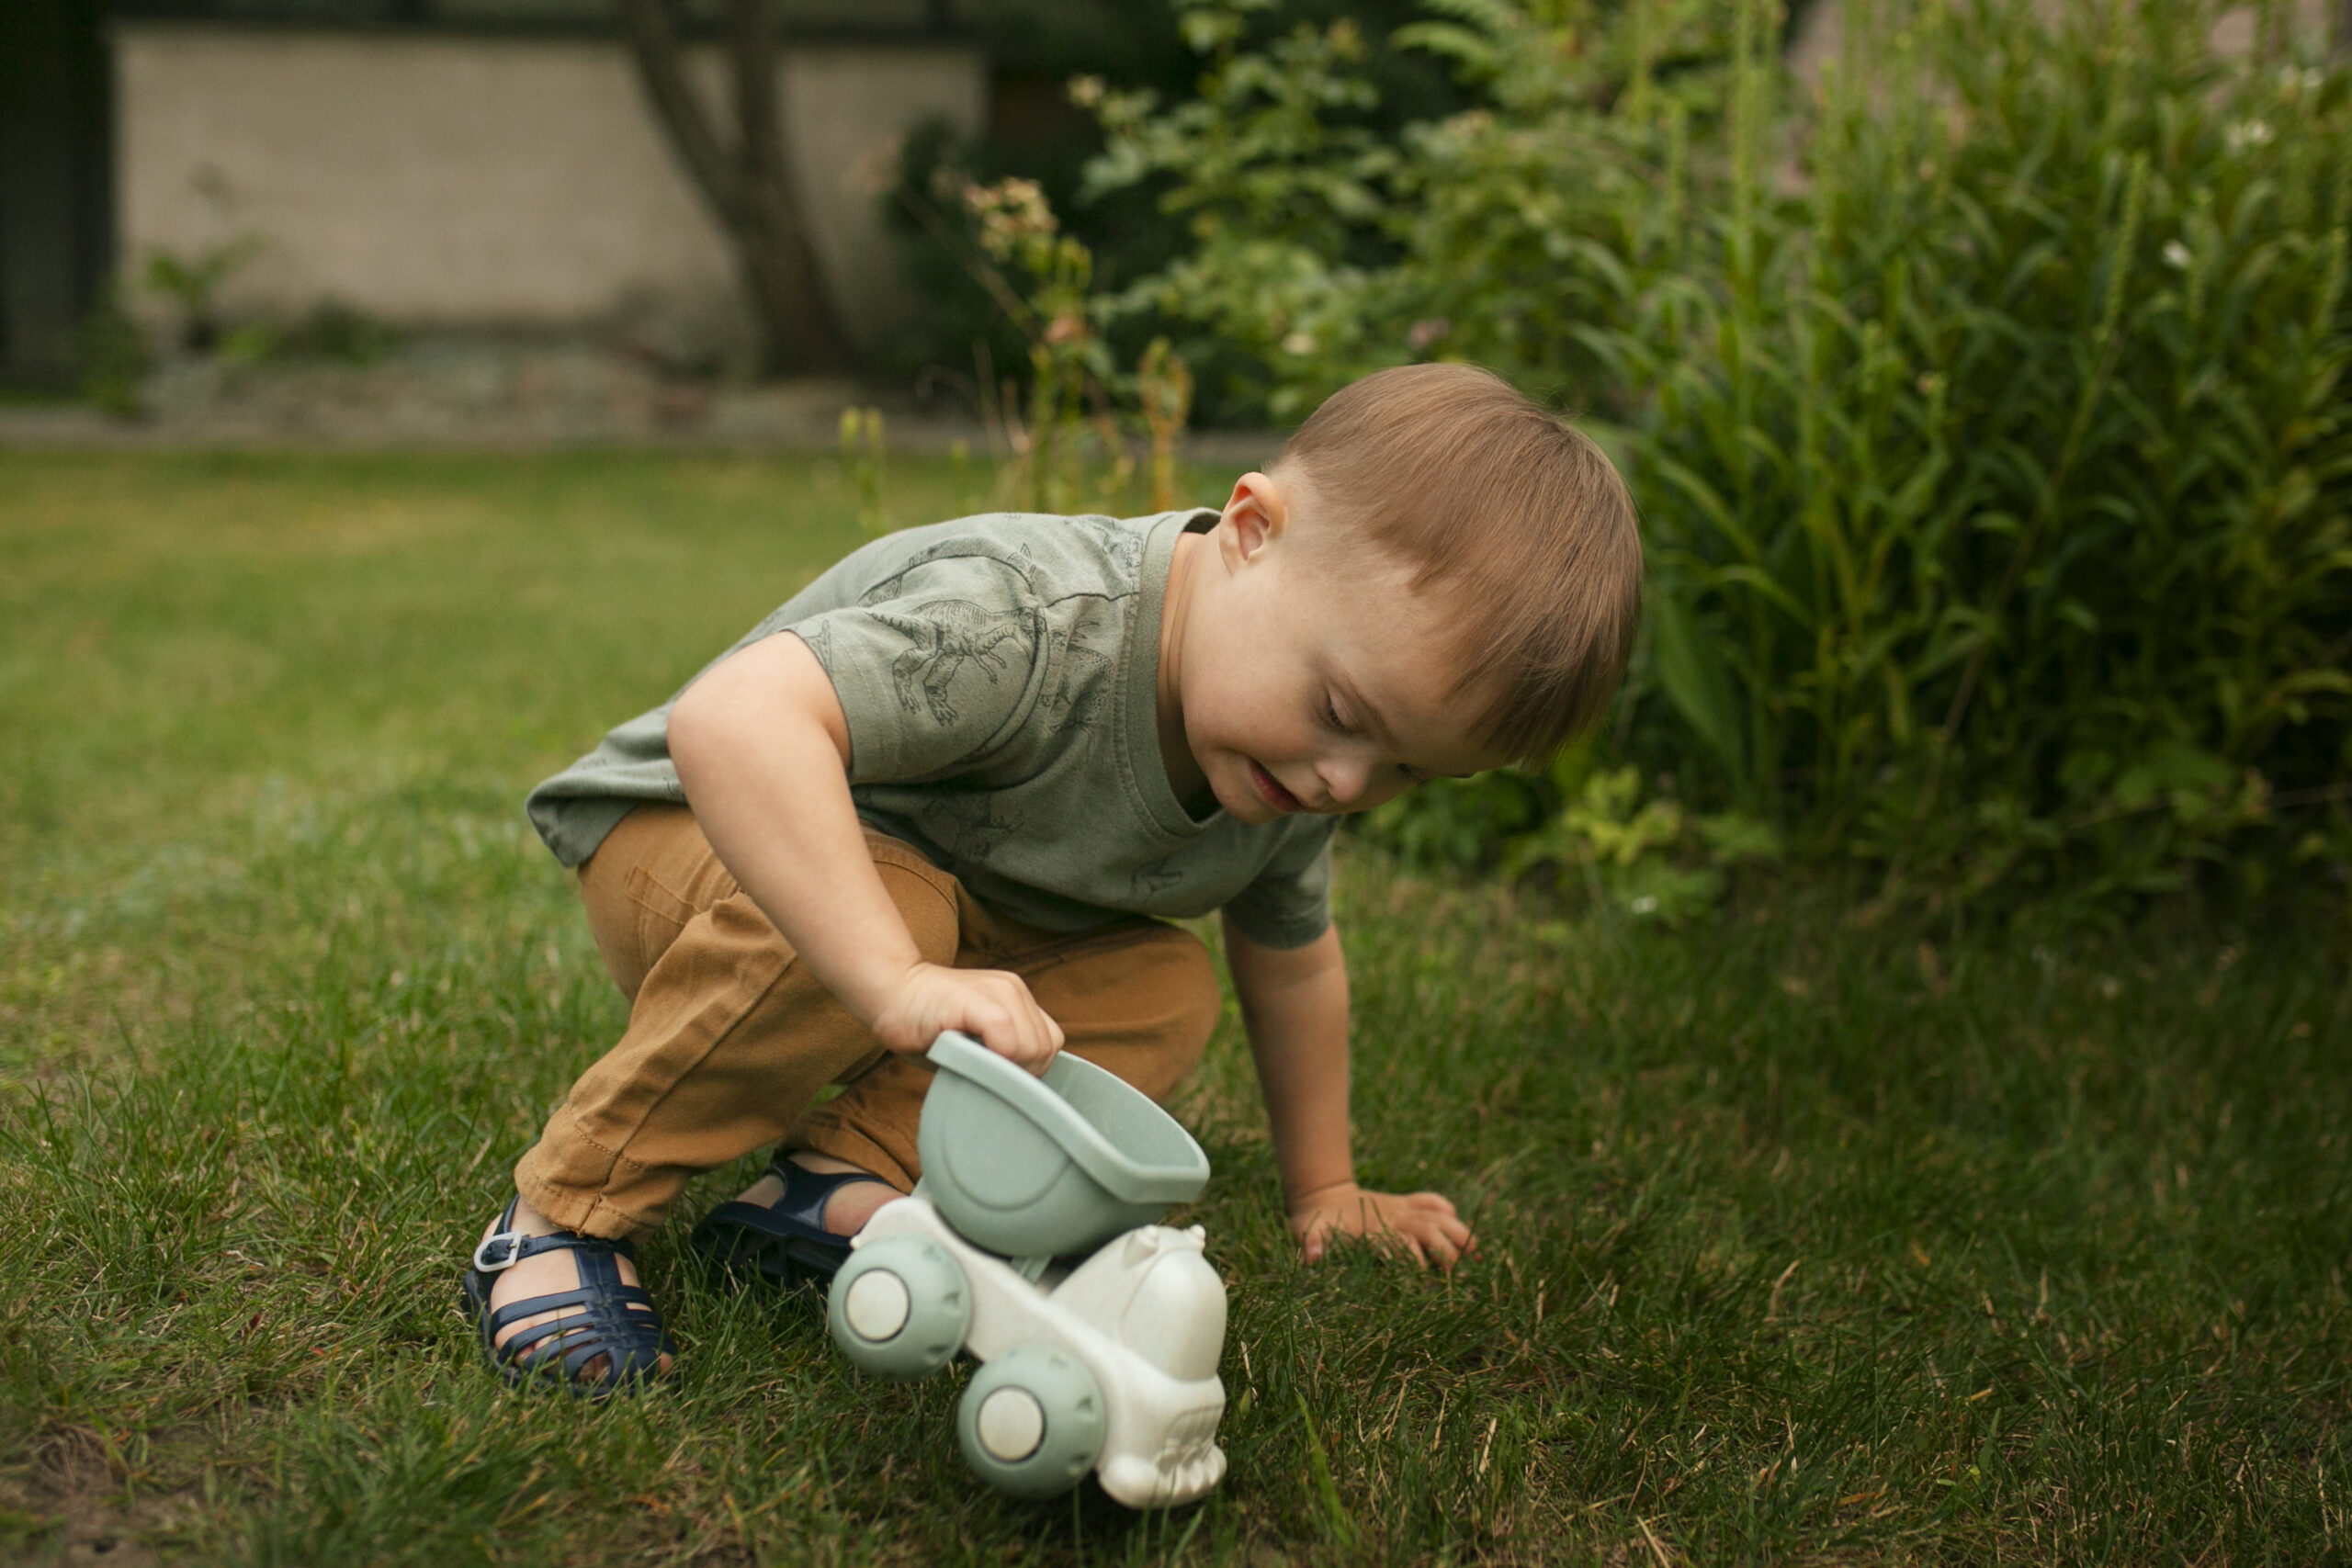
(998, 674)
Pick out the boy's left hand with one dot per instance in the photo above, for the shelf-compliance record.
(1422, 1224)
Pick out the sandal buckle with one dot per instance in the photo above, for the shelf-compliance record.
(485, 1262)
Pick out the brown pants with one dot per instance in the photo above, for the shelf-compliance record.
(729, 1039)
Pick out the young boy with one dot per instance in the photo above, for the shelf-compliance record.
(991, 759)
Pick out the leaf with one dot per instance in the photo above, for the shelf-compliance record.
(1690, 668)
(1473, 51)
(1734, 836)
(1336, 1522)
(2171, 765)
(1653, 890)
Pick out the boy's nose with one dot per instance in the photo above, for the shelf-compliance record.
(1345, 782)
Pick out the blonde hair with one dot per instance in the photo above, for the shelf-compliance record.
(1516, 514)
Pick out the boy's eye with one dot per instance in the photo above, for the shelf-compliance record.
(1332, 714)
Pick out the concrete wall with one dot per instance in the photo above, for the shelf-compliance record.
(481, 181)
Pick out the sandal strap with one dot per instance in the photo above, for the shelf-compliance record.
(580, 1299)
(788, 1236)
(798, 1213)
(503, 1249)
(593, 1324)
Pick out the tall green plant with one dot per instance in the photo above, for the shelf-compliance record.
(1997, 482)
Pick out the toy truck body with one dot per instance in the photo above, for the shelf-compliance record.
(1028, 1245)
(1110, 1367)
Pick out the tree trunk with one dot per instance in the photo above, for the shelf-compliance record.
(747, 185)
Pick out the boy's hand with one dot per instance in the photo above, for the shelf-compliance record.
(1422, 1224)
(991, 1005)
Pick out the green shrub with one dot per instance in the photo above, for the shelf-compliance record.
(1461, 823)
(1327, 246)
(1583, 828)
(1997, 482)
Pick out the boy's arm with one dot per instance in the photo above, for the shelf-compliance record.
(1294, 1005)
(762, 747)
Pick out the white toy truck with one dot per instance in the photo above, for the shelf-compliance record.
(1028, 1244)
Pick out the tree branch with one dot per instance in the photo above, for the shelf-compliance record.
(749, 186)
(751, 28)
(660, 66)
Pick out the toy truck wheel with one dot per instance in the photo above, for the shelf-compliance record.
(1032, 1421)
(899, 1307)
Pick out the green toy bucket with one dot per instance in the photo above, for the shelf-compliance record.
(1047, 1167)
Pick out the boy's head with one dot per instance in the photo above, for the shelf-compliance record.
(1515, 519)
(1441, 574)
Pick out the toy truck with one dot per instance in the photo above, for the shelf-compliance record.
(1029, 1244)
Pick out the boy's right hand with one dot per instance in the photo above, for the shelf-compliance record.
(992, 1006)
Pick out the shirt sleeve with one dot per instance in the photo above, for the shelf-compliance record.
(933, 671)
(1289, 903)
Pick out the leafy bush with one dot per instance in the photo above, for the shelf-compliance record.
(1327, 246)
(1461, 823)
(1998, 482)
(1135, 46)
(1583, 828)
(1986, 414)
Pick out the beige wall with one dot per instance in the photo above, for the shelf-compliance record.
(473, 180)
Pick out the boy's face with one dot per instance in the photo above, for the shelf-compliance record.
(1308, 676)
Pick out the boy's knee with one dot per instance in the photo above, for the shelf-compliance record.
(1195, 994)
(1165, 1002)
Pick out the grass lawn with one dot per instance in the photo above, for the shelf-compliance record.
(1801, 1241)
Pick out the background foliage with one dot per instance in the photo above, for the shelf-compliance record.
(1042, 135)
(1985, 406)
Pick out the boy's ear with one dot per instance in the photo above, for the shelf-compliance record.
(1256, 515)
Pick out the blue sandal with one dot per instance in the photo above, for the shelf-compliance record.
(602, 1316)
(786, 1242)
